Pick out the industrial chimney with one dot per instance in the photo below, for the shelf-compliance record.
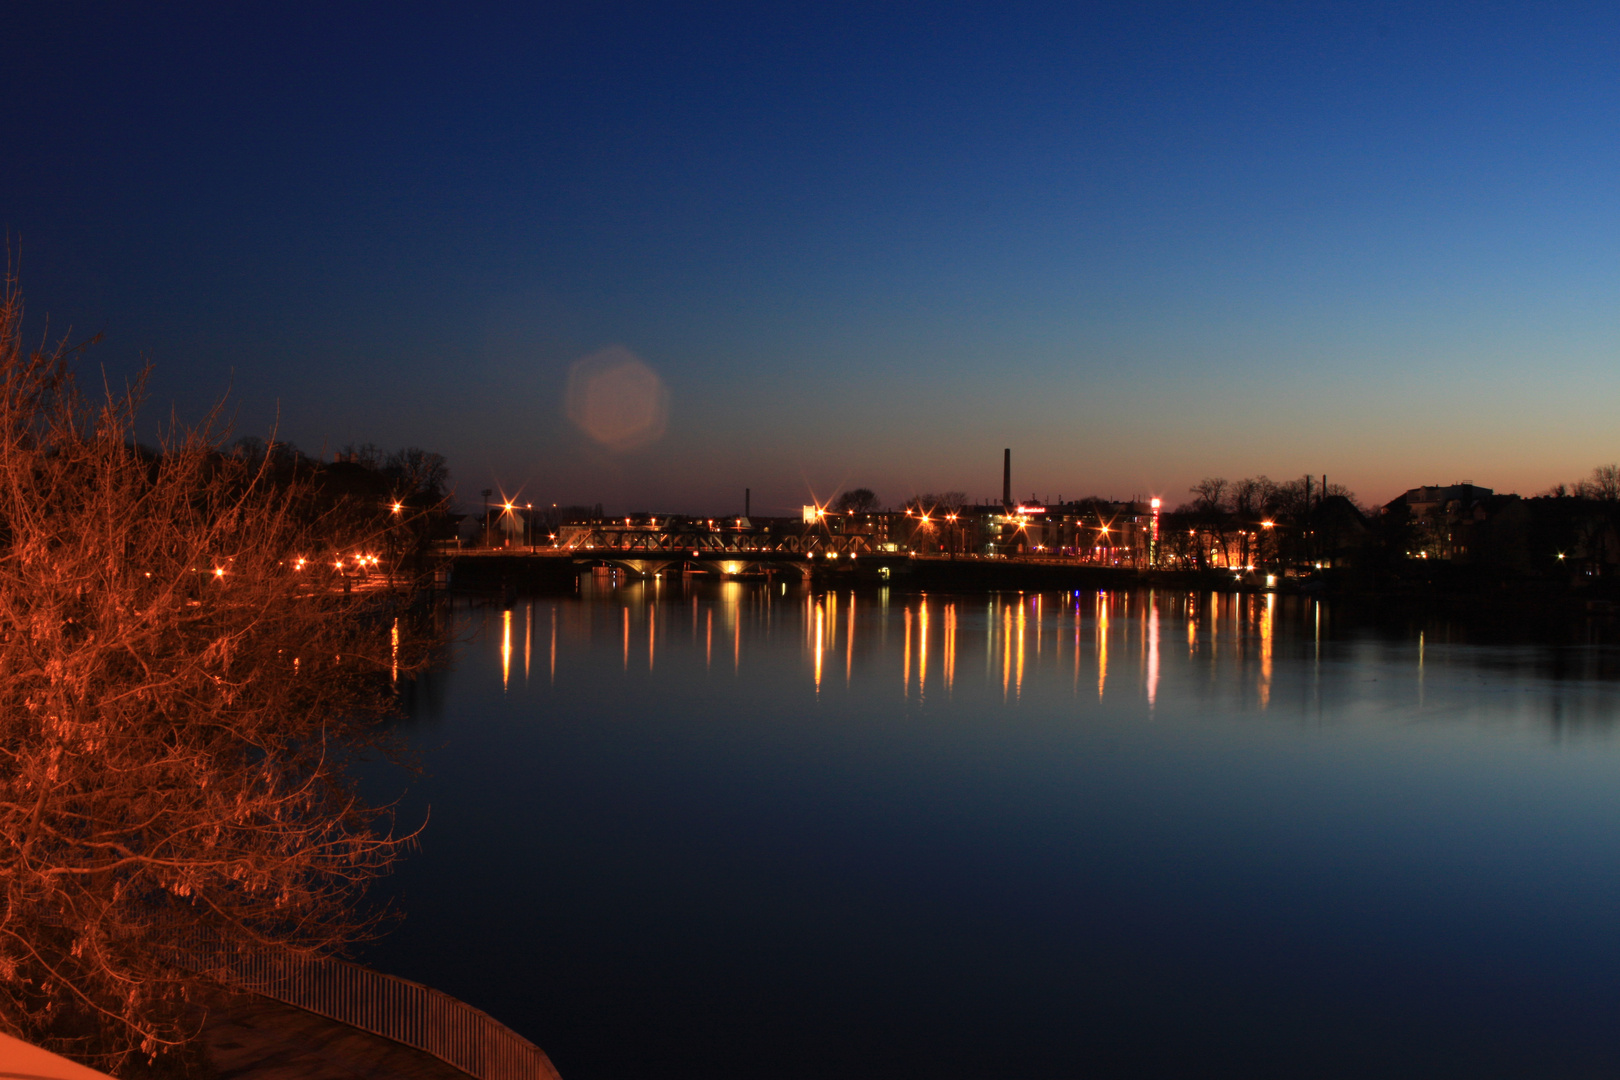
(1006, 479)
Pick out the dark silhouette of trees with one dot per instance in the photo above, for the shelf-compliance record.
(856, 501)
(1603, 484)
(182, 690)
(944, 502)
(1256, 521)
(419, 477)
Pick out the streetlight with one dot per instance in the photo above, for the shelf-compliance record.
(397, 512)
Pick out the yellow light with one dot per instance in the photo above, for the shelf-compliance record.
(1267, 524)
(218, 572)
(398, 507)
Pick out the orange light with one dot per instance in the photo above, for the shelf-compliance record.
(398, 507)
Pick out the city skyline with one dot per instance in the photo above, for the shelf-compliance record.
(845, 246)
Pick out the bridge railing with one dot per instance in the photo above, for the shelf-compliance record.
(680, 543)
(406, 1012)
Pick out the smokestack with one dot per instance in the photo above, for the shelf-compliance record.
(1006, 479)
(748, 502)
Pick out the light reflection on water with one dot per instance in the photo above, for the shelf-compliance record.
(1116, 641)
(747, 830)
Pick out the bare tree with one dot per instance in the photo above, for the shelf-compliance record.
(944, 502)
(181, 690)
(857, 501)
(420, 475)
(1211, 493)
(1208, 513)
(1603, 484)
(1248, 500)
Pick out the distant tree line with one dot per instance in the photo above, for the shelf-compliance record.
(1602, 485)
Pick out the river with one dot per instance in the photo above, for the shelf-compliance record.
(750, 830)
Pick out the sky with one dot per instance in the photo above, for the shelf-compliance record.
(652, 255)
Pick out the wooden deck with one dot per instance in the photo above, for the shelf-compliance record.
(248, 1037)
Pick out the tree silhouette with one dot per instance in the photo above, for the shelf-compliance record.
(857, 501)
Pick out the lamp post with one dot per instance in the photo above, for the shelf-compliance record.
(396, 515)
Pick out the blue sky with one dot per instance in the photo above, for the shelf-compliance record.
(860, 244)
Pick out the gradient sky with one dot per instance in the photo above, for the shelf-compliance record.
(861, 244)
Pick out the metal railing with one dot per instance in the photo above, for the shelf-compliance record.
(406, 1012)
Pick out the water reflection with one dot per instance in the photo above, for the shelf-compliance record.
(506, 647)
(1257, 651)
(1102, 644)
(1267, 628)
(1333, 818)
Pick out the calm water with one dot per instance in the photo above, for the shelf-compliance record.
(735, 831)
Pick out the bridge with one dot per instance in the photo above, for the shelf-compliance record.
(647, 549)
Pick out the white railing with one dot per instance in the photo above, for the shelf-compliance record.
(398, 1009)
